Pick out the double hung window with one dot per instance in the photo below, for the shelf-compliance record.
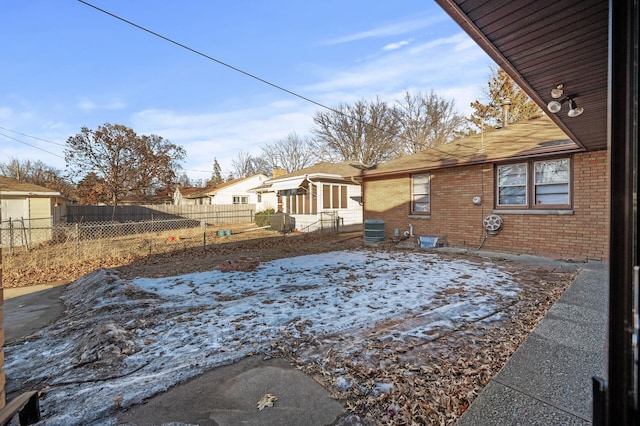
(534, 184)
(421, 194)
(237, 199)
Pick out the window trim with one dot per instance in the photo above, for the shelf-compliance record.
(335, 196)
(413, 211)
(240, 198)
(526, 185)
(530, 186)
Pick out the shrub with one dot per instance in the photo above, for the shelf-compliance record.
(262, 218)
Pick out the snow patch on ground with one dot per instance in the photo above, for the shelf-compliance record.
(119, 343)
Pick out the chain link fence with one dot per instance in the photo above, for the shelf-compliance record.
(21, 235)
(33, 248)
(37, 249)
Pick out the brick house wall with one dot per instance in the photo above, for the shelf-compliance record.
(457, 221)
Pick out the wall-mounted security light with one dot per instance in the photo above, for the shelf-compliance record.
(555, 105)
(574, 110)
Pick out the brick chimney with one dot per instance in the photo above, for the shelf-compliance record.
(276, 173)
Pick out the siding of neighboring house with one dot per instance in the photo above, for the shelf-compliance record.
(236, 191)
(191, 196)
(457, 222)
(27, 212)
(320, 195)
(241, 191)
(324, 203)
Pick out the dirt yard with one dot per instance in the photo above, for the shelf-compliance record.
(429, 381)
(172, 252)
(264, 246)
(430, 386)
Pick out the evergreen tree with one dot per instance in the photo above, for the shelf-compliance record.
(216, 176)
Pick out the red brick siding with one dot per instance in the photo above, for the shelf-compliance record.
(458, 222)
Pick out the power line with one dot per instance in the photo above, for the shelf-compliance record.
(211, 58)
(248, 74)
(33, 137)
(32, 146)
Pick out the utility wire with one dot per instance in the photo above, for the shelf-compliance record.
(211, 58)
(33, 137)
(248, 74)
(32, 146)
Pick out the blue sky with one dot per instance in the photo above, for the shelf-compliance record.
(66, 65)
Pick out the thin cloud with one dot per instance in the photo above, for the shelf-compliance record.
(5, 112)
(398, 45)
(222, 135)
(395, 69)
(393, 29)
(89, 105)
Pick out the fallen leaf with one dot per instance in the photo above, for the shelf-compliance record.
(267, 401)
(118, 400)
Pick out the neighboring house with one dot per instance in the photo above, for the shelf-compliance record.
(185, 195)
(550, 195)
(28, 212)
(242, 191)
(235, 191)
(319, 195)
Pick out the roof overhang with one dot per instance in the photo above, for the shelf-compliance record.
(543, 43)
(31, 194)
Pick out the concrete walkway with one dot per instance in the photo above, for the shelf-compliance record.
(548, 380)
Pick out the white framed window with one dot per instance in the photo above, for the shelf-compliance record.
(421, 193)
(240, 199)
(334, 196)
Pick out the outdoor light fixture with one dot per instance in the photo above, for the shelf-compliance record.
(557, 92)
(574, 110)
(556, 104)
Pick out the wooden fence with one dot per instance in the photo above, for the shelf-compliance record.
(212, 214)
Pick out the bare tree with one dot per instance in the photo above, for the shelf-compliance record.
(365, 131)
(183, 180)
(428, 121)
(290, 153)
(245, 165)
(38, 173)
(128, 163)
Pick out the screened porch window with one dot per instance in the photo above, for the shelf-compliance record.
(334, 196)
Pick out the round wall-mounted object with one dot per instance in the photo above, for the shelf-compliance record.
(492, 223)
(476, 200)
